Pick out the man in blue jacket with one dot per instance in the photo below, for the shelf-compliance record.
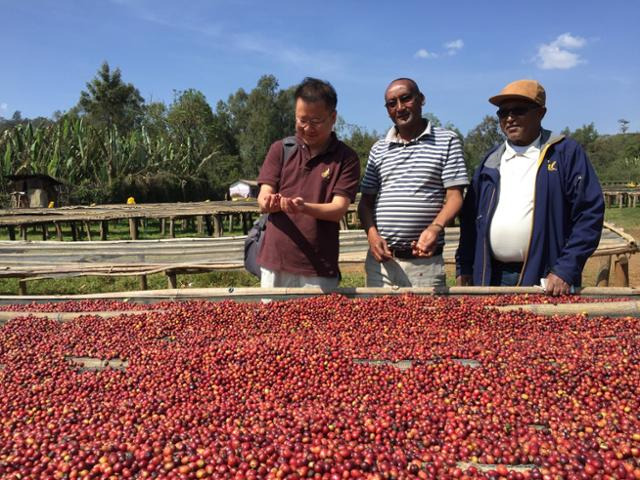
(534, 210)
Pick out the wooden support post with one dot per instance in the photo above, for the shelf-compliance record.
(231, 222)
(246, 222)
(620, 200)
(208, 226)
(23, 232)
(45, 231)
(12, 232)
(143, 282)
(343, 223)
(22, 287)
(604, 271)
(172, 279)
(163, 226)
(59, 236)
(104, 230)
(200, 224)
(87, 228)
(74, 231)
(217, 225)
(621, 269)
(172, 228)
(133, 228)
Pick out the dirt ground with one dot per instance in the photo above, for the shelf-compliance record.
(590, 270)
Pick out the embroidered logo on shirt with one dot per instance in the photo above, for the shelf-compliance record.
(551, 166)
(326, 173)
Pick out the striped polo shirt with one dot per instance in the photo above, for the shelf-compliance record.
(410, 179)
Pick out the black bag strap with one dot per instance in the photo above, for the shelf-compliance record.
(289, 146)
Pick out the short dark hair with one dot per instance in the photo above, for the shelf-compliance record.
(411, 81)
(315, 90)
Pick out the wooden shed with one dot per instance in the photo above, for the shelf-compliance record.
(244, 189)
(33, 190)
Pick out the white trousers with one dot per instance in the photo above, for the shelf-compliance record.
(273, 279)
(411, 272)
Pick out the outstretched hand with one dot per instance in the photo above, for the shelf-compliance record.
(292, 205)
(270, 203)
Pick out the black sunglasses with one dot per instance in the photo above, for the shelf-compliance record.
(515, 111)
(403, 99)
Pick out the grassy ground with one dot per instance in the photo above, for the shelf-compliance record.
(353, 276)
(627, 218)
(80, 285)
(119, 230)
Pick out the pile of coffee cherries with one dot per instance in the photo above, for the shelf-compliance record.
(325, 387)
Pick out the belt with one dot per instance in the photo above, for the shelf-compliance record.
(405, 254)
(507, 266)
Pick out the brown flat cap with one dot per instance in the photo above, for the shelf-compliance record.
(529, 90)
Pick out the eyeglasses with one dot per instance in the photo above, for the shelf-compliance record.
(311, 122)
(405, 99)
(515, 111)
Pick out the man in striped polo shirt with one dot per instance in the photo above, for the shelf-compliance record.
(412, 188)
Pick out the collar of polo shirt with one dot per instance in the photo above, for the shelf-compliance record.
(532, 150)
(393, 136)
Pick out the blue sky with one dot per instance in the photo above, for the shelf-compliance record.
(585, 53)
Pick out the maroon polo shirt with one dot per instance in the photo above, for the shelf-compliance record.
(299, 243)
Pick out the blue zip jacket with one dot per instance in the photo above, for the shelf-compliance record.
(568, 212)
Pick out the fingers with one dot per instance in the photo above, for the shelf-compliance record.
(380, 250)
(421, 253)
(291, 205)
(272, 202)
(556, 286)
(422, 250)
(560, 290)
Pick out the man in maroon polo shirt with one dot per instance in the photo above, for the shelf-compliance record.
(307, 197)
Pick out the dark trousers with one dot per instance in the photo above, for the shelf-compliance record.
(505, 274)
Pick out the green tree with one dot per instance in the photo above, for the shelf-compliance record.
(259, 118)
(108, 101)
(154, 120)
(481, 139)
(624, 125)
(585, 135)
(435, 121)
(223, 130)
(190, 114)
(357, 138)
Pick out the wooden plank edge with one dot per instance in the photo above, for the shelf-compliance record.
(6, 316)
(628, 308)
(257, 293)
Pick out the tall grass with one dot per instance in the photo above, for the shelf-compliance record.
(95, 162)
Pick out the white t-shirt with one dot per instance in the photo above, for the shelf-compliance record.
(512, 222)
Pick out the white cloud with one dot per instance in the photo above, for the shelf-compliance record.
(558, 54)
(451, 48)
(566, 40)
(3, 106)
(423, 53)
(454, 46)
